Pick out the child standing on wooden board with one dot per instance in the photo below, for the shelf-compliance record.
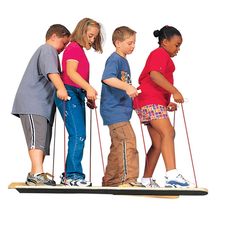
(116, 109)
(75, 65)
(156, 83)
(34, 100)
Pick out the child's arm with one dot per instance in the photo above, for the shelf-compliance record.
(160, 80)
(71, 68)
(116, 83)
(61, 90)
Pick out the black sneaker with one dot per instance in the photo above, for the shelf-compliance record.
(39, 179)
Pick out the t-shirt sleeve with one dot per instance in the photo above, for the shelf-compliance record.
(111, 69)
(49, 62)
(157, 61)
(73, 53)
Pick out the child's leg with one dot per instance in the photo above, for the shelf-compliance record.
(73, 112)
(166, 132)
(38, 136)
(153, 153)
(36, 132)
(130, 153)
(111, 176)
(37, 158)
(122, 165)
(114, 168)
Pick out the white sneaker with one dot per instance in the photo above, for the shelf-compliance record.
(179, 181)
(151, 183)
(75, 182)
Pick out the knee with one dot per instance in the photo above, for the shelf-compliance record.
(81, 139)
(170, 133)
(155, 148)
(78, 138)
(173, 133)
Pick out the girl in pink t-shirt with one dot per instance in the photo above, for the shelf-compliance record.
(75, 75)
(156, 84)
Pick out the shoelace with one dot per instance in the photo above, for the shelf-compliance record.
(45, 176)
(153, 183)
(181, 176)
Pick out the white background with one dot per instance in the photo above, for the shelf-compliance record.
(204, 74)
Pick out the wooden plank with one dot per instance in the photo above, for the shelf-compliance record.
(16, 184)
(23, 188)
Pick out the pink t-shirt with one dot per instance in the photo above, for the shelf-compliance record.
(75, 52)
(160, 61)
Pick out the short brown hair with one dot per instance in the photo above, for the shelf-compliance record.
(80, 31)
(121, 33)
(59, 30)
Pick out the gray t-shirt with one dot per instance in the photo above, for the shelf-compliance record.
(36, 92)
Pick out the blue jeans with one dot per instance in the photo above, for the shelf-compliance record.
(73, 111)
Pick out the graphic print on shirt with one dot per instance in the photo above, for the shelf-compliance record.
(125, 77)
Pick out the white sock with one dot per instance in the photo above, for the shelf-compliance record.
(37, 174)
(172, 174)
(145, 181)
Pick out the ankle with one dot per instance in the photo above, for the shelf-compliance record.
(171, 174)
(146, 180)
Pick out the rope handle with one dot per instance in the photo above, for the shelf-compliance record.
(99, 137)
(189, 146)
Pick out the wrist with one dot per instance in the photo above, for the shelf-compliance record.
(87, 87)
(174, 90)
(127, 86)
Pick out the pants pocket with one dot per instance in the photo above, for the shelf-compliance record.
(122, 130)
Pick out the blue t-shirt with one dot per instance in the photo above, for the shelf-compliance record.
(116, 105)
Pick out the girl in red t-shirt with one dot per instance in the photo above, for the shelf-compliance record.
(152, 104)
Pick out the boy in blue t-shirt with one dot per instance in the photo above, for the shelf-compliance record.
(116, 110)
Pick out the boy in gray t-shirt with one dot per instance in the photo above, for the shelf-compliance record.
(34, 100)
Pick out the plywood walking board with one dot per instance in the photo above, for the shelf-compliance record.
(59, 189)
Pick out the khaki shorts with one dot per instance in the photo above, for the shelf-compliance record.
(38, 132)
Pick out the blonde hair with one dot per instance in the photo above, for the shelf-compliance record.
(81, 30)
(121, 33)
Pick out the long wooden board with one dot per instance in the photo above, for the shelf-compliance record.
(23, 188)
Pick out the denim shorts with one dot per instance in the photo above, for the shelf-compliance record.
(152, 112)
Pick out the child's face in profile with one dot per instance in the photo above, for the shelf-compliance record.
(172, 46)
(60, 43)
(90, 36)
(127, 46)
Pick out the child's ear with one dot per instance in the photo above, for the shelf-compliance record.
(165, 41)
(117, 43)
(53, 37)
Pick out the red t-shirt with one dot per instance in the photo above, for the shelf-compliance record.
(160, 61)
(75, 52)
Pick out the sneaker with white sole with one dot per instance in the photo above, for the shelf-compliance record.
(151, 183)
(40, 179)
(75, 182)
(178, 182)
